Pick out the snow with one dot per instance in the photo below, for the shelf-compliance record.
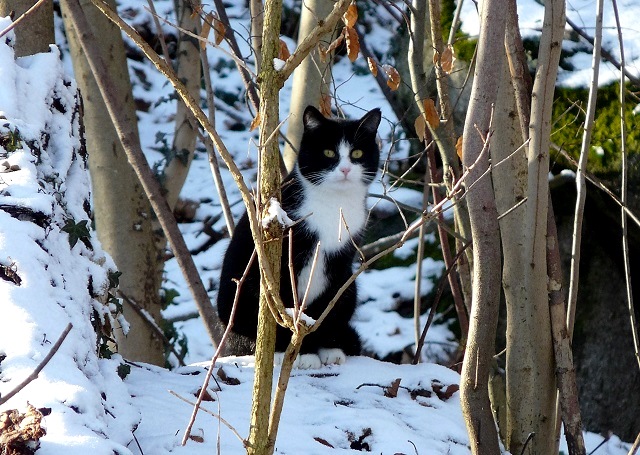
(326, 411)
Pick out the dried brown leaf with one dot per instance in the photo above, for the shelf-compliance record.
(206, 396)
(393, 77)
(448, 59)
(351, 15)
(325, 105)
(372, 66)
(353, 44)
(206, 28)
(431, 113)
(391, 391)
(220, 30)
(196, 11)
(256, 122)
(283, 53)
(226, 378)
(459, 147)
(196, 438)
(324, 442)
(325, 51)
(420, 127)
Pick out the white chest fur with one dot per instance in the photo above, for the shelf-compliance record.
(333, 211)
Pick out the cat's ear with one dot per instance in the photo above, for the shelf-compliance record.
(312, 118)
(370, 122)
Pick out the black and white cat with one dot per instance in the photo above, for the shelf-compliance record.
(337, 161)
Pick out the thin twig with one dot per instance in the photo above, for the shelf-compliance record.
(605, 53)
(582, 166)
(216, 415)
(436, 301)
(600, 185)
(159, 32)
(195, 36)
(246, 76)
(636, 445)
(208, 143)
(303, 305)
(212, 364)
(154, 327)
(41, 365)
(623, 195)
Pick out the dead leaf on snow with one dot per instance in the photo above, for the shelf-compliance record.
(20, 433)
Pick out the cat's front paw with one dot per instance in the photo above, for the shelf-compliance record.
(302, 362)
(332, 356)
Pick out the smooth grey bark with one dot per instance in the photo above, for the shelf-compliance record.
(531, 388)
(123, 215)
(485, 232)
(310, 79)
(35, 32)
(186, 130)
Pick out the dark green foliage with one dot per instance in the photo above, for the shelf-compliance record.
(604, 156)
(10, 140)
(77, 231)
(124, 370)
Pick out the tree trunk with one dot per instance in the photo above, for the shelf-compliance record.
(483, 215)
(123, 215)
(35, 33)
(310, 79)
(509, 177)
(186, 130)
(271, 235)
(531, 389)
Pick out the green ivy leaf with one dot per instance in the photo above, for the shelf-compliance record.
(76, 231)
(124, 370)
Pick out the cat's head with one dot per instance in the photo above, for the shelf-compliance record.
(339, 152)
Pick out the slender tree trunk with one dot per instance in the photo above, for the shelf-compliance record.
(310, 79)
(186, 130)
(509, 175)
(271, 235)
(531, 389)
(123, 215)
(35, 33)
(486, 234)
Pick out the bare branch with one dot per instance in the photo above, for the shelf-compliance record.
(217, 416)
(582, 166)
(212, 364)
(146, 317)
(565, 370)
(624, 199)
(39, 368)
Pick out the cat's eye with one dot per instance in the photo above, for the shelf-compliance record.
(357, 154)
(329, 153)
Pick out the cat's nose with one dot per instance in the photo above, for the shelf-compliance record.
(345, 170)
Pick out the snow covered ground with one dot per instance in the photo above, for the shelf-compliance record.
(332, 410)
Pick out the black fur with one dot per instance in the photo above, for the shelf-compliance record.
(335, 332)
